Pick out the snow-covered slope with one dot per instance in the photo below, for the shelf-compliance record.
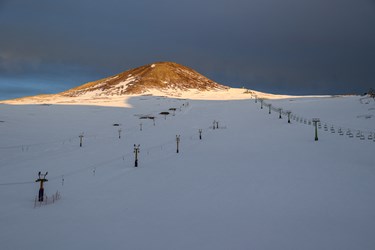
(123, 100)
(255, 182)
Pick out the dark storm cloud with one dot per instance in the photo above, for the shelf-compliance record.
(288, 46)
(13, 91)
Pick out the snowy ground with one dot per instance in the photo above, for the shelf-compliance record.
(257, 182)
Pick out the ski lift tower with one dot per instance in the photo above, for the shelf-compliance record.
(80, 139)
(41, 179)
(288, 112)
(315, 121)
(178, 143)
(136, 152)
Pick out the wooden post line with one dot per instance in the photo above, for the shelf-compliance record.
(41, 179)
(136, 152)
(178, 142)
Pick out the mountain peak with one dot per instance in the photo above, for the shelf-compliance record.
(161, 76)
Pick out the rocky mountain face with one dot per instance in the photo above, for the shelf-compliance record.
(163, 76)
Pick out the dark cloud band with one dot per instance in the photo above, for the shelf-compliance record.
(273, 45)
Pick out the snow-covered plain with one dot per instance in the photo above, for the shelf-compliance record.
(257, 182)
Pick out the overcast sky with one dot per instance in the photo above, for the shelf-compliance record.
(277, 46)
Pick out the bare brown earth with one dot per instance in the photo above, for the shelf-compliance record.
(161, 75)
